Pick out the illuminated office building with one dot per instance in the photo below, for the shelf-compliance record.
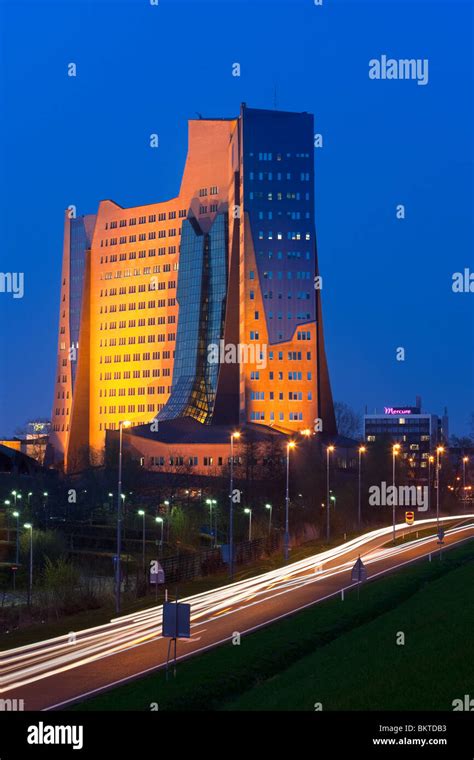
(203, 306)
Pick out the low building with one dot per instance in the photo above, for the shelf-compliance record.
(417, 432)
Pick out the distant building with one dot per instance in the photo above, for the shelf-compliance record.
(37, 429)
(32, 441)
(416, 431)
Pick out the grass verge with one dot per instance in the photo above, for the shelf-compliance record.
(343, 654)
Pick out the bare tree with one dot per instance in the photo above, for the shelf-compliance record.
(349, 422)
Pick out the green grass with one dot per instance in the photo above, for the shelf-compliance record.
(343, 654)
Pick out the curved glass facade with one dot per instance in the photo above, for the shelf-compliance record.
(201, 294)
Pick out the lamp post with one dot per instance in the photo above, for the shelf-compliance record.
(160, 520)
(111, 496)
(395, 452)
(329, 450)
(249, 513)
(465, 460)
(233, 435)
(122, 424)
(439, 450)
(430, 462)
(270, 509)
(141, 512)
(14, 494)
(17, 553)
(45, 506)
(212, 503)
(30, 494)
(362, 450)
(290, 445)
(29, 527)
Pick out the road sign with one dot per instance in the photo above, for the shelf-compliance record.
(359, 572)
(409, 518)
(176, 620)
(157, 574)
(440, 536)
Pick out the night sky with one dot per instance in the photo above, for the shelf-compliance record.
(143, 69)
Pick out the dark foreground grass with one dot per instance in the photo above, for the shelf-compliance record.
(366, 669)
(343, 654)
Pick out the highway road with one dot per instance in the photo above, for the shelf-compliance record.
(54, 673)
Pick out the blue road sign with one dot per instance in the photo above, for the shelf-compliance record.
(176, 620)
(359, 572)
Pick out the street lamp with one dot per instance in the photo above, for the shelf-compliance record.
(120, 496)
(29, 527)
(17, 557)
(465, 460)
(212, 503)
(160, 520)
(329, 450)
(439, 450)
(430, 462)
(45, 505)
(395, 452)
(235, 435)
(14, 494)
(270, 509)
(362, 450)
(249, 513)
(290, 445)
(141, 512)
(30, 494)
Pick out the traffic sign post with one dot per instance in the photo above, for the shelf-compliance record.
(440, 542)
(359, 574)
(176, 625)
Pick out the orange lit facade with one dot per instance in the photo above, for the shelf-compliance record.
(150, 294)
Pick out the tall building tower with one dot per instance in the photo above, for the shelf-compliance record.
(203, 306)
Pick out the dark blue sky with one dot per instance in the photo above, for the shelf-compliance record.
(144, 69)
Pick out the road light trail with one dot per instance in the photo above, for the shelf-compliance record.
(33, 662)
